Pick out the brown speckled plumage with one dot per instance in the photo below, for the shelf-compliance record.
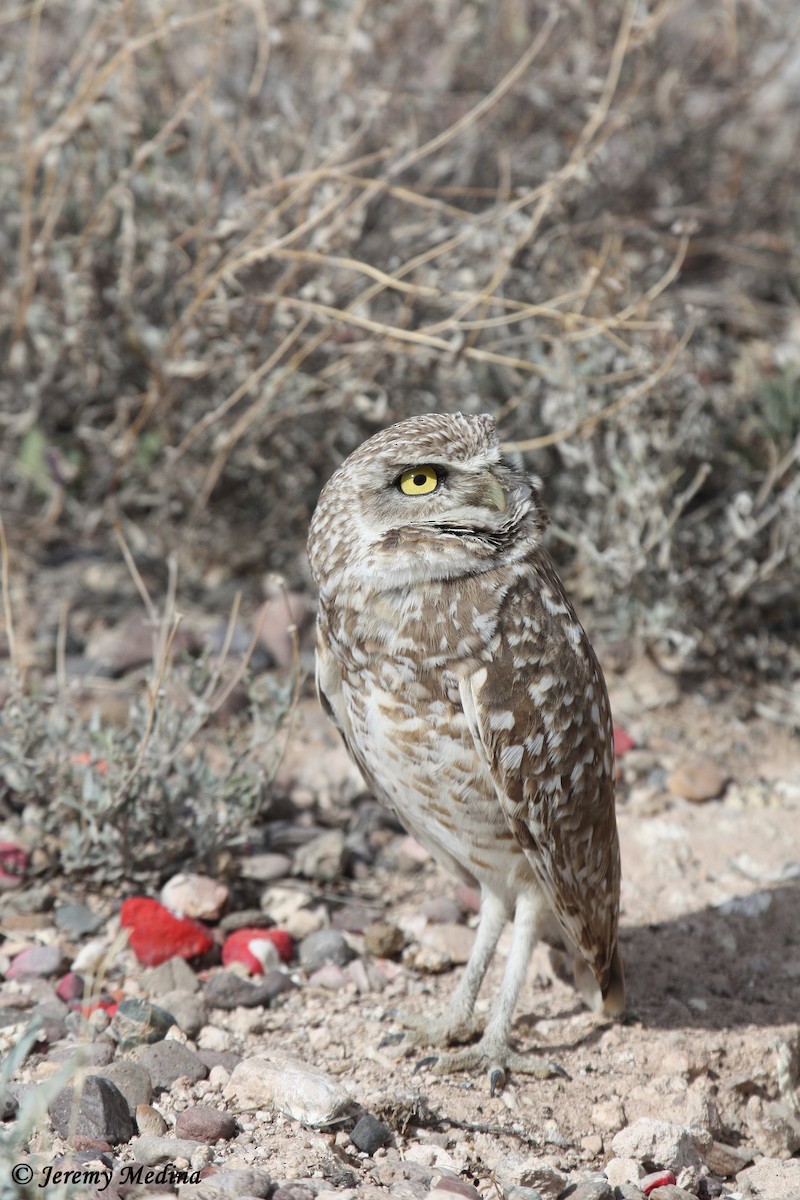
(467, 692)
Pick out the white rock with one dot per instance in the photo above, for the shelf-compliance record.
(290, 1087)
(771, 1179)
(650, 1141)
(196, 896)
(623, 1170)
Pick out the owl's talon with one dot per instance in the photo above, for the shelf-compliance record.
(390, 1039)
(497, 1080)
(424, 1063)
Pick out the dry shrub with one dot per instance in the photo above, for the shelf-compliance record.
(238, 237)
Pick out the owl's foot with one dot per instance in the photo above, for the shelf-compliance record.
(420, 1031)
(497, 1059)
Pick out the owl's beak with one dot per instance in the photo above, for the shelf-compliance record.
(493, 495)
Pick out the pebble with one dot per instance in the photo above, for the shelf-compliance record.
(188, 1010)
(170, 1060)
(174, 975)
(449, 1185)
(322, 858)
(290, 1087)
(195, 896)
(77, 919)
(156, 934)
(132, 1079)
(325, 946)
(220, 1060)
(36, 962)
(442, 909)
(205, 1124)
(254, 948)
(369, 1134)
(93, 1054)
(670, 1192)
(265, 867)
(623, 1170)
(227, 990)
(137, 1022)
(594, 1188)
(726, 1160)
(70, 987)
(228, 1184)
(429, 960)
(773, 1126)
(771, 1179)
(410, 855)
(367, 975)
(543, 1178)
(468, 898)
(149, 1121)
(8, 1106)
(658, 1142)
(102, 1112)
(657, 1179)
(455, 940)
(152, 1150)
(330, 976)
(384, 940)
(522, 1193)
(697, 780)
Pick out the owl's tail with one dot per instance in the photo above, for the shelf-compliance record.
(607, 997)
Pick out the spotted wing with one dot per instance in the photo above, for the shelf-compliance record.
(539, 715)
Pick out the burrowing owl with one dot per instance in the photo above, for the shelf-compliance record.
(467, 692)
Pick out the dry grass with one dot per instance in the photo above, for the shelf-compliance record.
(237, 238)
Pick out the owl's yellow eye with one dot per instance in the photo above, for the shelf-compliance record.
(418, 481)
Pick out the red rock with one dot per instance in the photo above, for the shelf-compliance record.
(13, 862)
(255, 948)
(157, 934)
(623, 742)
(656, 1180)
(70, 987)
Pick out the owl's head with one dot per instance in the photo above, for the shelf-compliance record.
(429, 498)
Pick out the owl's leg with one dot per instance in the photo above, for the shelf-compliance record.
(493, 1050)
(459, 1023)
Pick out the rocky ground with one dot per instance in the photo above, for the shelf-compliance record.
(297, 1082)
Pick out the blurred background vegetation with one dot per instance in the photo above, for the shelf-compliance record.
(237, 238)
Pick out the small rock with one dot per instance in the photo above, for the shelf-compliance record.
(697, 780)
(544, 1178)
(156, 934)
(383, 940)
(597, 1188)
(330, 977)
(455, 940)
(325, 946)
(168, 1061)
(651, 687)
(36, 962)
(265, 867)
(411, 855)
(657, 1179)
(726, 1161)
(522, 1193)
(592, 1145)
(628, 1191)
(133, 1081)
(174, 975)
(623, 1170)
(367, 975)
(195, 896)
(290, 1087)
(771, 1179)
(77, 919)
(70, 987)
(322, 858)
(468, 898)
(254, 948)
(149, 1121)
(51, 1018)
(670, 1192)
(8, 1106)
(773, 1126)
(102, 1111)
(138, 1022)
(188, 1010)
(442, 910)
(450, 1185)
(153, 1150)
(228, 1184)
(429, 960)
(205, 1124)
(227, 990)
(658, 1144)
(370, 1134)
(89, 1054)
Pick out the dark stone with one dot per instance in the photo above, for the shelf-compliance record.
(78, 920)
(168, 1061)
(228, 990)
(138, 1022)
(132, 1079)
(325, 946)
(370, 1134)
(102, 1112)
(205, 1124)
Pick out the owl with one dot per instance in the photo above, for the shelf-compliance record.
(467, 693)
